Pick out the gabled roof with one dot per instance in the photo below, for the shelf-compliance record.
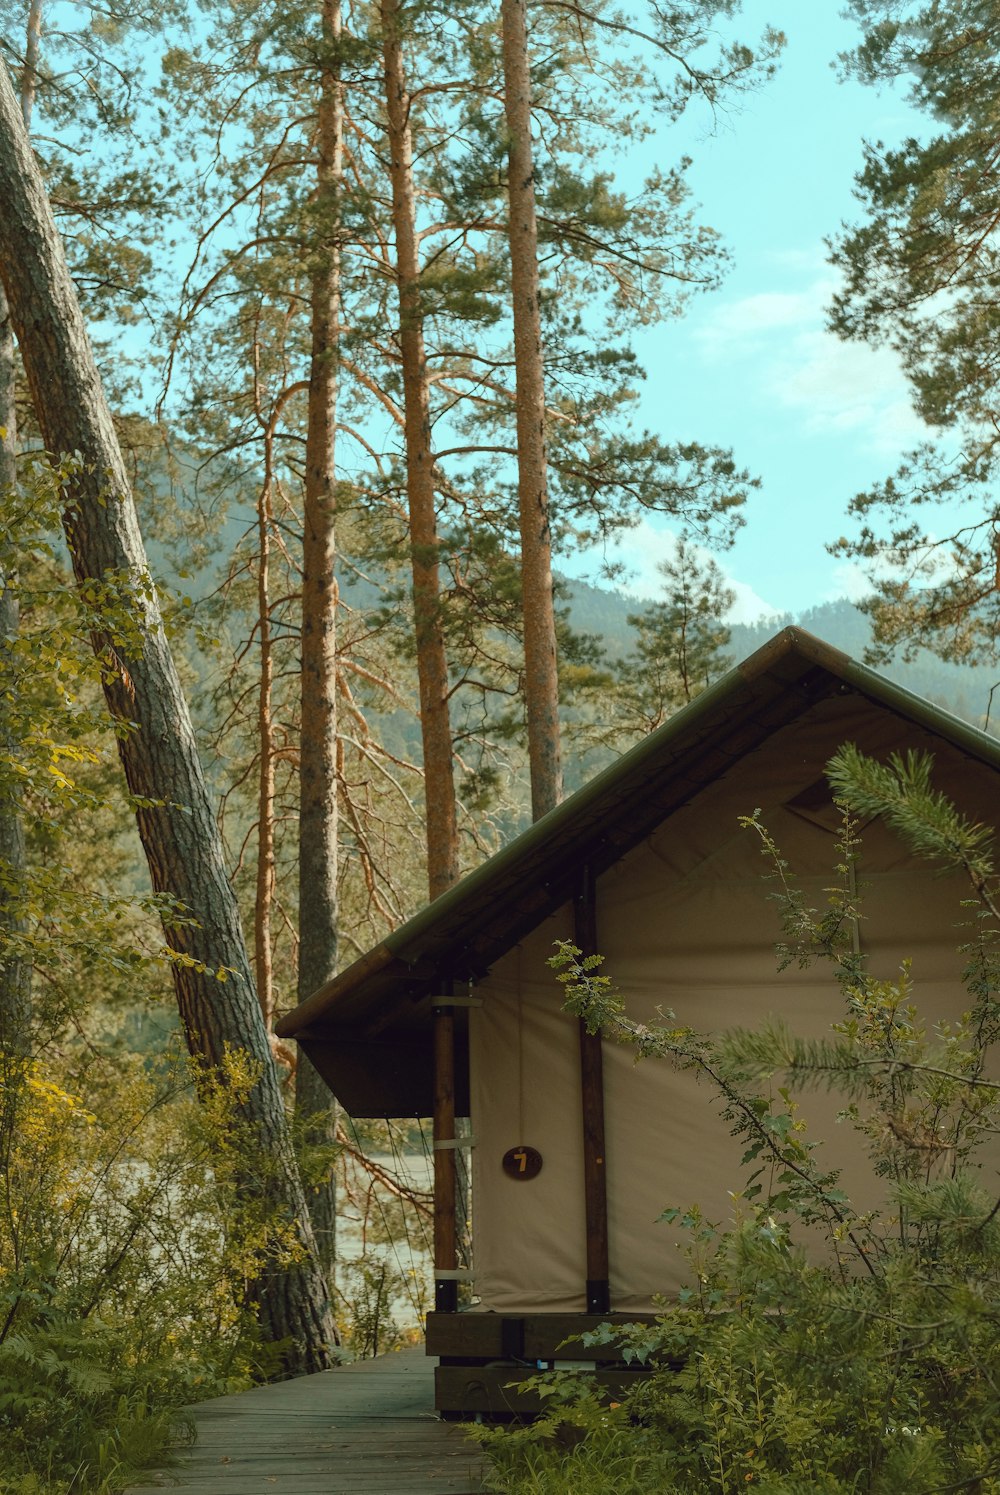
(380, 1000)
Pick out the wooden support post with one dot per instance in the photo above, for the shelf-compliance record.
(445, 1232)
(592, 1089)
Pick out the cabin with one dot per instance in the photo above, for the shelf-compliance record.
(576, 1150)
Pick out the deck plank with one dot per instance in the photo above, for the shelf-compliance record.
(363, 1429)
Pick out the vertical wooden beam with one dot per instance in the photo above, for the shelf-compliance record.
(445, 1231)
(592, 1094)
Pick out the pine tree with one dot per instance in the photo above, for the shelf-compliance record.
(541, 676)
(920, 275)
(680, 641)
(421, 484)
(626, 261)
(319, 789)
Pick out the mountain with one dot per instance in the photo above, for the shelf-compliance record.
(964, 690)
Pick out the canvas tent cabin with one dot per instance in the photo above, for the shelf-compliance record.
(458, 1014)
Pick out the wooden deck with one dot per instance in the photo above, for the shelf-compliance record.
(362, 1429)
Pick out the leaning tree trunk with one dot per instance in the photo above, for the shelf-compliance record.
(318, 789)
(155, 737)
(432, 662)
(15, 974)
(541, 680)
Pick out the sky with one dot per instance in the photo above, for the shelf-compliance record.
(751, 366)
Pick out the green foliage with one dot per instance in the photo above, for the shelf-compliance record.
(872, 1363)
(901, 791)
(125, 1246)
(679, 640)
(246, 98)
(89, 109)
(920, 274)
(580, 1446)
(384, 1235)
(375, 1292)
(59, 771)
(677, 649)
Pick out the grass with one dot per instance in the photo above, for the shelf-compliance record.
(602, 1464)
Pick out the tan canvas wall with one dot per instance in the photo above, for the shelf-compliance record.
(685, 923)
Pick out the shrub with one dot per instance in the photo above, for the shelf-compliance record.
(124, 1256)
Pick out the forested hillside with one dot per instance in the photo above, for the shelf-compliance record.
(963, 689)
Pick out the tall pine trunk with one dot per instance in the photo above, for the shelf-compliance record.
(266, 871)
(156, 741)
(432, 662)
(318, 933)
(29, 73)
(541, 680)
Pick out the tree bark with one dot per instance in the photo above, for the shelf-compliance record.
(541, 680)
(29, 73)
(432, 661)
(155, 737)
(265, 881)
(318, 787)
(15, 975)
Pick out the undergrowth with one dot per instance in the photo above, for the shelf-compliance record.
(124, 1257)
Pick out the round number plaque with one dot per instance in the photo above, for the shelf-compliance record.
(522, 1163)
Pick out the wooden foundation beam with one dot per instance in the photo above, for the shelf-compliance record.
(478, 1337)
(598, 1293)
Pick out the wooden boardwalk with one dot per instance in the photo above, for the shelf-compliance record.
(362, 1429)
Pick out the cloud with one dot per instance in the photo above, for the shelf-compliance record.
(832, 387)
(848, 579)
(933, 567)
(752, 318)
(749, 606)
(646, 546)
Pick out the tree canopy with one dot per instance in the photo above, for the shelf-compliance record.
(921, 273)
